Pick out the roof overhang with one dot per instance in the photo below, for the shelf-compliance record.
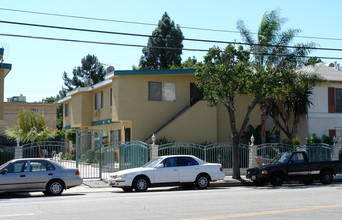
(5, 68)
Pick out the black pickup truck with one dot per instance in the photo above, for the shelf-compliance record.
(294, 166)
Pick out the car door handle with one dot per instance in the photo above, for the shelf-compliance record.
(175, 170)
(22, 175)
(50, 174)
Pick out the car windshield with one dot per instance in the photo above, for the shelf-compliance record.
(282, 158)
(4, 165)
(152, 163)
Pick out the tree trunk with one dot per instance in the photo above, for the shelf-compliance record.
(236, 157)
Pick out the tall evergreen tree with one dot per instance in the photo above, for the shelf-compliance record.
(91, 72)
(160, 52)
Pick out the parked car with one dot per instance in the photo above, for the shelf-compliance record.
(168, 171)
(294, 166)
(35, 174)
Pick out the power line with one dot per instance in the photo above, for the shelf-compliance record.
(150, 24)
(144, 35)
(141, 46)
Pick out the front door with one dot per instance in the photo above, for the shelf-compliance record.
(15, 177)
(169, 173)
(196, 94)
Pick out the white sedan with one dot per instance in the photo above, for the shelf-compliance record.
(168, 171)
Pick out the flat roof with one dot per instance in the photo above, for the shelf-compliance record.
(153, 72)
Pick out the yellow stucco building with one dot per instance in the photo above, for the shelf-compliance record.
(4, 70)
(133, 104)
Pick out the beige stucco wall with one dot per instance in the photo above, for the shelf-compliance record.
(241, 105)
(198, 124)
(2, 74)
(12, 110)
(130, 98)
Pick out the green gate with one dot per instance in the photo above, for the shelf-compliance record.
(133, 154)
(88, 153)
(6, 154)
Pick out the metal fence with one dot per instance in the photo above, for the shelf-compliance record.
(215, 153)
(99, 160)
(6, 154)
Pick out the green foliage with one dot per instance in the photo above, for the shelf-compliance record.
(167, 34)
(29, 126)
(324, 139)
(91, 69)
(91, 156)
(163, 140)
(69, 156)
(313, 139)
(293, 141)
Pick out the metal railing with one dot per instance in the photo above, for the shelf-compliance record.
(6, 154)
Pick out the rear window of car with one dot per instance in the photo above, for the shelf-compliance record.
(187, 161)
(38, 166)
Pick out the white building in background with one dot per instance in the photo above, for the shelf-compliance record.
(325, 115)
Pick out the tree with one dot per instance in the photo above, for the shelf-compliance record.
(293, 100)
(226, 75)
(59, 118)
(29, 126)
(91, 72)
(164, 47)
(271, 51)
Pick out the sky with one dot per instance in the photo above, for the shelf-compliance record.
(38, 65)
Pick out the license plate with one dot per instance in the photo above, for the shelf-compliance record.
(253, 177)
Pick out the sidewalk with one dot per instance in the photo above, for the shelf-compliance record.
(97, 185)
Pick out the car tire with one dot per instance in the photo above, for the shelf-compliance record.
(140, 184)
(54, 188)
(277, 179)
(326, 177)
(202, 181)
(127, 189)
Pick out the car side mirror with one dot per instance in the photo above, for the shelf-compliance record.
(4, 171)
(160, 165)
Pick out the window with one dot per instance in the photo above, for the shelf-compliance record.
(66, 110)
(186, 161)
(17, 167)
(170, 162)
(338, 100)
(115, 136)
(39, 166)
(162, 91)
(111, 97)
(99, 100)
(334, 100)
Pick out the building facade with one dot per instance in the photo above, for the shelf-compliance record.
(325, 115)
(5, 68)
(134, 104)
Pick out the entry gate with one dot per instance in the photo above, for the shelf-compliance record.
(6, 154)
(120, 156)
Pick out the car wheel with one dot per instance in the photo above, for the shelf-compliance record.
(277, 179)
(202, 181)
(54, 188)
(140, 184)
(127, 189)
(326, 177)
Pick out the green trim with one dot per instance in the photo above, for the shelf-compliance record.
(5, 66)
(153, 72)
(67, 127)
(103, 122)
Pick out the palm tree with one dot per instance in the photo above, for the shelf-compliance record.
(272, 54)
